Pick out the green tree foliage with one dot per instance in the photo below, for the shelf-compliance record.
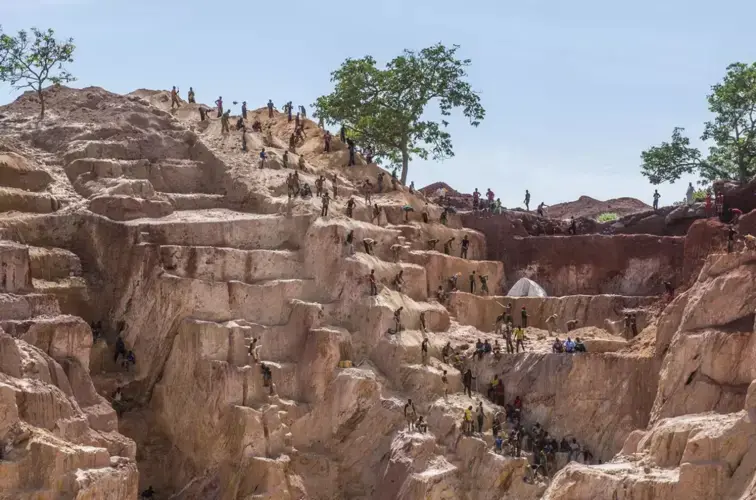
(31, 63)
(732, 134)
(607, 217)
(383, 108)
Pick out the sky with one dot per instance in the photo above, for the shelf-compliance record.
(573, 91)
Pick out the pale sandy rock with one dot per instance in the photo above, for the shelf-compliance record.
(49, 446)
(16, 200)
(18, 172)
(589, 310)
(555, 392)
(123, 207)
(17, 307)
(53, 263)
(198, 251)
(15, 268)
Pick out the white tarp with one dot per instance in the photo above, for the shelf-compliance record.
(526, 288)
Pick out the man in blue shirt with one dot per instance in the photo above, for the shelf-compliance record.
(569, 346)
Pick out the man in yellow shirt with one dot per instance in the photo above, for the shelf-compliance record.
(468, 422)
(519, 335)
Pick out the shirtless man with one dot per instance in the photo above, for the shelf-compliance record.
(368, 243)
(551, 323)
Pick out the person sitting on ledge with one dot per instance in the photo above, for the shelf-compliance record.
(479, 349)
(421, 425)
(579, 346)
(557, 346)
(569, 346)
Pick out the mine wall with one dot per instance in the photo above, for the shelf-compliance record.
(631, 265)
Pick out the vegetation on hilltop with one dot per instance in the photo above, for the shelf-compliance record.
(732, 133)
(31, 63)
(383, 109)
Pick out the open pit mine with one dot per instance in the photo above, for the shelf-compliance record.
(177, 318)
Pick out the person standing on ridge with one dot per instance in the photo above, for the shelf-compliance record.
(270, 108)
(465, 246)
(708, 204)
(410, 414)
(287, 109)
(190, 96)
(224, 122)
(481, 417)
(324, 204)
(448, 245)
(319, 182)
(490, 196)
(174, 98)
(472, 282)
(527, 200)
(342, 134)
(219, 105)
(302, 111)
(573, 227)
(689, 194)
(335, 184)
(656, 199)
(476, 200)
(350, 207)
(467, 380)
(372, 281)
(540, 209)
(351, 145)
(519, 335)
(483, 284)
(244, 110)
(327, 142)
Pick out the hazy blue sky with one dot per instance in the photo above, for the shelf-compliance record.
(574, 91)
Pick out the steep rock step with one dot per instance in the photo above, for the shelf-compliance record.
(52, 264)
(61, 336)
(195, 201)
(124, 207)
(17, 200)
(418, 234)
(229, 264)
(267, 303)
(440, 267)
(226, 228)
(172, 175)
(72, 294)
(18, 172)
(221, 341)
(603, 311)
(23, 307)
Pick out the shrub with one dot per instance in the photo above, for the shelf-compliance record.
(607, 217)
(699, 196)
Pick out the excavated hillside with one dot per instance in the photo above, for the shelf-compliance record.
(128, 225)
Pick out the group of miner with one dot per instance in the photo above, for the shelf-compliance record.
(510, 434)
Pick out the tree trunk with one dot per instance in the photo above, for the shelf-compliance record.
(41, 103)
(405, 166)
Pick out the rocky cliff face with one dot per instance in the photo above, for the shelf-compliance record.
(584, 264)
(156, 228)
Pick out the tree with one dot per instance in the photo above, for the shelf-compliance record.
(383, 108)
(26, 63)
(732, 132)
